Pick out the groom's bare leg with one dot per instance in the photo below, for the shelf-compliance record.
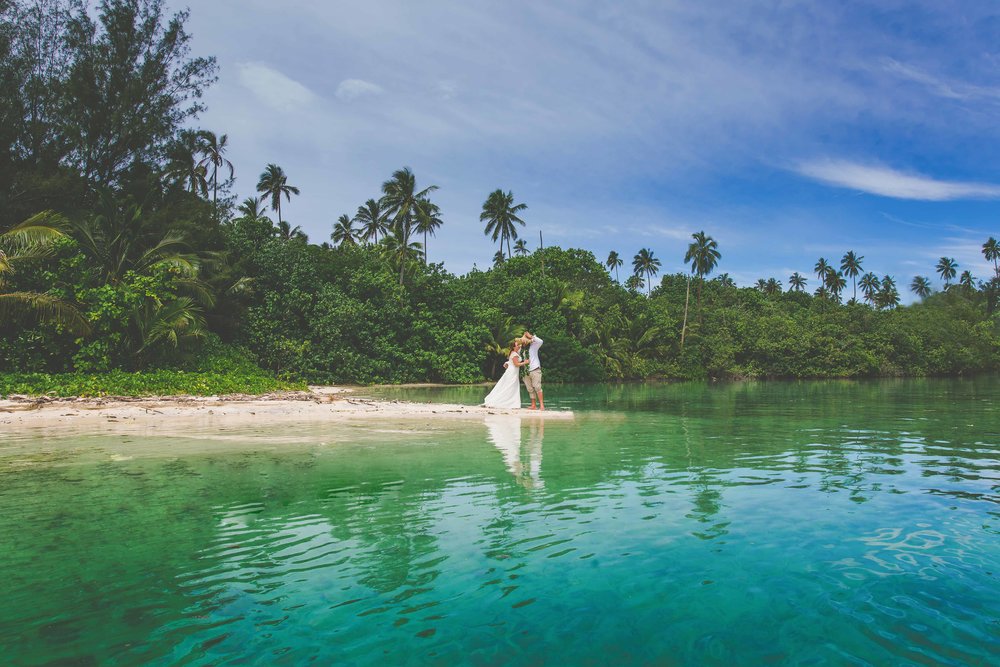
(541, 401)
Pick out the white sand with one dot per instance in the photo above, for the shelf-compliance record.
(320, 404)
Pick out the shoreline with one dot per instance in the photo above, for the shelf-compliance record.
(326, 404)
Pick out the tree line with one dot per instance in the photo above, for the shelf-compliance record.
(122, 246)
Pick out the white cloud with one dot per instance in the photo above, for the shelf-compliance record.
(886, 182)
(274, 88)
(948, 89)
(352, 89)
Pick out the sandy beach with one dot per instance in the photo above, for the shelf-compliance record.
(319, 404)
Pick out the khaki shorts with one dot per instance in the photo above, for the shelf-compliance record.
(533, 382)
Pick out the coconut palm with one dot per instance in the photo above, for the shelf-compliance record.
(921, 287)
(850, 264)
(613, 262)
(400, 199)
(967, 281)
(772, 286)
(888, 295)
(172, 322)
(374, 220)
(114, 242)
(497, 258)
(500, 214)
(703, 254)
(870, 285)
(214, 149)
(725, 280)
(821, 269)
(27, 241)
(288, 233)
(428, 221)
(401, 252)
(273, 183)
(646, 264)
(344, 233)
(835, 282)
(991, 251)
(251, 209)
(634, 282)
(182, 166)
(797, 282)
(521, 248)
(947, 268)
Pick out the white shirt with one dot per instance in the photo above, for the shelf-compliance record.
(533, 362)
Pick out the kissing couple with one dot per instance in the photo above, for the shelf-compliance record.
(507, 392)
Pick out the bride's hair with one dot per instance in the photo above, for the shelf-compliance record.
(514, 343)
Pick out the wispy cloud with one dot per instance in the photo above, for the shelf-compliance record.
(352, 89)
(273, 88)
(942, 87)
(887, 182)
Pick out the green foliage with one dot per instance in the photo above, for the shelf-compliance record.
(156, 272)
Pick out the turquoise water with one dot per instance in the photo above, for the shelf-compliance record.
(767, 523)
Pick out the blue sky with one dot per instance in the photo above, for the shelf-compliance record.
(785, 130)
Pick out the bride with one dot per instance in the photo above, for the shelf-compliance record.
(507, 392)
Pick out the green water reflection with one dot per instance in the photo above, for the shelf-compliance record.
(835, 523)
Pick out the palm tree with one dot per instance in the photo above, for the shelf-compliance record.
(214, 148)
(374, 220)
(634, 282)
(428, 220)
(500, 215)
(836, 283)
(182, 167)
(821, 269)
(870, 285)
(613, 262)
(888, 295)
(400, 251)
(343, 231)
(646, 264)
(991, 251)
(114, 243)
(286, 232)
(797, 282)
(703, 254)
(772, 286)
(761, 285)
(921, 287)
(725, 280)
(850, 264)
(947, 268)
(498, 258)
(273, 183)
(400, 199)
(251, 208)
(27, 241)
(520, 247)
(967, 281)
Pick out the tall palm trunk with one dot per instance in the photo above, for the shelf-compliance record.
(701, 279)
(687, 299)
(425, 247)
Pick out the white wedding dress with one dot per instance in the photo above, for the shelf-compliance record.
(507, 392)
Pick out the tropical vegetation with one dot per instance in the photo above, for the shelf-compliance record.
(129, 265)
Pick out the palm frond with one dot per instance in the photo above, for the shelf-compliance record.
(44, 308)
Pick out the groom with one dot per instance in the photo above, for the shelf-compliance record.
(533, 379)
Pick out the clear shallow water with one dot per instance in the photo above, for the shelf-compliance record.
(780, 523)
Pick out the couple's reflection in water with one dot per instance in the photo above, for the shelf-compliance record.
(523, 459)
